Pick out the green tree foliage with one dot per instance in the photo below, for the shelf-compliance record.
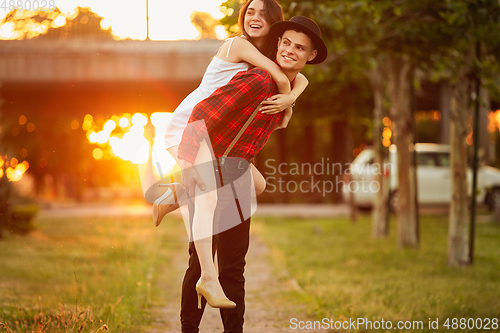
(435, 38)
(356, 32)
(54, 24)
(205, 24)
(231, 10)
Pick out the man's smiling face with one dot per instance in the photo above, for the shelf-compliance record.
(295, 49)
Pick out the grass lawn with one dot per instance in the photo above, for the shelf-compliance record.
(87, 274)
(345, 273)
(94, 274)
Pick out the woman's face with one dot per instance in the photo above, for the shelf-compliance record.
(256, 24)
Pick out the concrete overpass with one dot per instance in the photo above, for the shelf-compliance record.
(94, 60)
(54, 82)
(76, 76)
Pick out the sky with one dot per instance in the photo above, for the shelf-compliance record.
(169, 19)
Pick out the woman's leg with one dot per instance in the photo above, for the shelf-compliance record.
(258, 180)
(163, 199)
(173, 151)
(205, 203)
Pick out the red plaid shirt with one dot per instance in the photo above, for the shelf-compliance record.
(226, 111)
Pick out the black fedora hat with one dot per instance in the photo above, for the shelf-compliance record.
(307, 26)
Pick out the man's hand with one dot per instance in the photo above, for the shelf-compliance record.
(277, 103)
(191, 178)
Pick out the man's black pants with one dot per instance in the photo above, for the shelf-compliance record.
(231, 247)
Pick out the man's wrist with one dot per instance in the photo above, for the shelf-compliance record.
(187, 164)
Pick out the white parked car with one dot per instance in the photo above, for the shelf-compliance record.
(433, 177)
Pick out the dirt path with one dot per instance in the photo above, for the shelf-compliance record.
(262, 315)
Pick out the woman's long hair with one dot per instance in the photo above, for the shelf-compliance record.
(274, 13)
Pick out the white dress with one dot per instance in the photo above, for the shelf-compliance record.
(218, 74)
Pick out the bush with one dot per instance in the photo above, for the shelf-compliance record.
(5, 204)
(21, 219)
(16, 212)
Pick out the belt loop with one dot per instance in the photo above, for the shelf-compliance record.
(222, 159)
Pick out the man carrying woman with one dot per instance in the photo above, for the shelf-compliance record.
(215, 154)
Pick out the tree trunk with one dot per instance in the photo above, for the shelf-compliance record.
(444, 108)
(5, 204)
(484, 134)
(354, 207)
(308, 142)
(400, 75)
(282, 158)
(341, 149)
(380, 226)
(342, 142)
(458, 233)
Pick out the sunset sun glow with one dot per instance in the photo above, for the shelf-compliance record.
(168, 19)
(124, 137)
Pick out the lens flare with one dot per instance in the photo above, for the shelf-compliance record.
(97, 153)
(59, 22)
(93, 137)
(75, 124)
(124, 122)
(387, 133)
(121, 136)
(109, 126)
(139, 120)
(16, 171)
(103, 137)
